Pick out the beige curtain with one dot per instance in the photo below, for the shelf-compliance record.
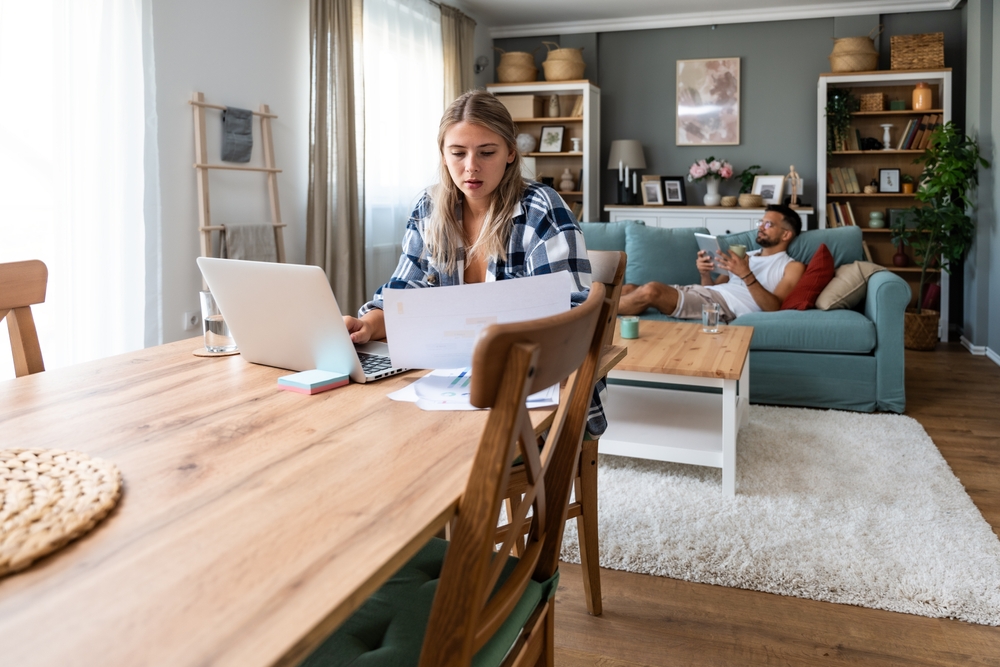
(335, 239)
(457, 32)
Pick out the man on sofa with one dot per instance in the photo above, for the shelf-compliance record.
(760, 281)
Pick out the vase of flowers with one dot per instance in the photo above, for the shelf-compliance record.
(711, 171)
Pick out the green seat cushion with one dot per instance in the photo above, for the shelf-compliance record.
(844, 243)
(667, 256)
(839, 331)
(388, 629)
(606, 235)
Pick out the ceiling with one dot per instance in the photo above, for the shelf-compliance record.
(522, 18)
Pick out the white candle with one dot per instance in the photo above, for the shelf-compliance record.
(626, 176)
(620, 174)
(634, 188)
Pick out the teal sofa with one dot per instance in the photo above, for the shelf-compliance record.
(840, 359)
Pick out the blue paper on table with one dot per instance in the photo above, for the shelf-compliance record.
(313, 379)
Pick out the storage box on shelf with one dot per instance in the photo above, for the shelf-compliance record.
(526, 98)
(896, 86)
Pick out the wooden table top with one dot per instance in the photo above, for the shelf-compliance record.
(682, 348)
(252, 522)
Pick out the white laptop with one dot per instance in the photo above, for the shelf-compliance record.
(285, 315)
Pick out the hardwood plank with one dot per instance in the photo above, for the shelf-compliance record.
(659, 621)
(681, 348)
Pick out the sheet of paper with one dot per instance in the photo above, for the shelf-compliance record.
(438, 327)
(448, 389)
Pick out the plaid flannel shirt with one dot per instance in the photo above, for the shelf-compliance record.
(545, 238)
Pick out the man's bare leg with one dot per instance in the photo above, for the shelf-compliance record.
(636, 299)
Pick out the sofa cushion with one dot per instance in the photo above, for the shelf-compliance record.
(837, 331)
(606, 235)
(818, 274)
(848, 286)
(663, 255)
(844, 243)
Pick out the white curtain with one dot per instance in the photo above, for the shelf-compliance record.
(404, 86)
(71, 177)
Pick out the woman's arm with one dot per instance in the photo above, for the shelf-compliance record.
(371, 326)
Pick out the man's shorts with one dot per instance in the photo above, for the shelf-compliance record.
(690, 299)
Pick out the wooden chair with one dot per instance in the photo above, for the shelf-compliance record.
(607, 267)
(22, 284)
(488, 606)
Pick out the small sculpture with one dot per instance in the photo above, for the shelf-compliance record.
(554, 110)
(566, 182)
(794, 179)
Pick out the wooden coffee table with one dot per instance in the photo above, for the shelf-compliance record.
(664, 402)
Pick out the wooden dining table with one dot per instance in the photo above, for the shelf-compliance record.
(252, 522)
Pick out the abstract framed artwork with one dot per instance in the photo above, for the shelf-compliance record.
(708, 102)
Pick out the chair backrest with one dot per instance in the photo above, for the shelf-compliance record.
(608, 267)
(22, 284)
(510, 362)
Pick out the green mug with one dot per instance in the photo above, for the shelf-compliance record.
(738, 249)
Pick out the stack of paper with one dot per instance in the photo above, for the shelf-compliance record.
(312, 382)
(448, 389)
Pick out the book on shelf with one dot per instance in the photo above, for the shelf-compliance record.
(838, 213)
(838, 176)
(852, 140)
(831, 219)
(830, 185)
(855, 186)
(903, 135)
(850, 215)
(857, 137)
(919, 134)
(925, 140)
(914, 126)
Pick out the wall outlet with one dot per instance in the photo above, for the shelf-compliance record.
(192, 320)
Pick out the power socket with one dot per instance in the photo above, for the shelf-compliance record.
(192, 320)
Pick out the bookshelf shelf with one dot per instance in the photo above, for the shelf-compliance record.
(897, 112)
(877, 195)
(879, 152)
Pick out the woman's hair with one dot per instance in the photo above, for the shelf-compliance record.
(445, 233)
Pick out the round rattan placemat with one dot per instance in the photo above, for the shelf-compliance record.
(49, 497)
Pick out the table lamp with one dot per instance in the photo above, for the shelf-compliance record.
(626, 156)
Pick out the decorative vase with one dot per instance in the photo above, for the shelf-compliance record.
(922, 97)
(900, 259)
(876, 220)
(712, 197)
(566, 182)
(554, 106)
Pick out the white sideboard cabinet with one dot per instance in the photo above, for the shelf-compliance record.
(718, 220)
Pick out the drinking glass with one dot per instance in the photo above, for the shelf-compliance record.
(217, 337)
(710, 313)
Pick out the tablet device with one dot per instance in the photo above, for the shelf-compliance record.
(712, 245)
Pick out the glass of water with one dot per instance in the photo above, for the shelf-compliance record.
(217, 338)
(710, 313)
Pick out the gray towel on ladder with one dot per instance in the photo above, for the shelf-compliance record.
(254, 242)
(237, 135)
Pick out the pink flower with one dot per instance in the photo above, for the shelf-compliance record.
(715, 166)
(699, 171)
(726, 171)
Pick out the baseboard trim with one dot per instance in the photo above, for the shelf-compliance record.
(993, 356)
(978, 350)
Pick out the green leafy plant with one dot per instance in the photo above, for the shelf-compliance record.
(840, 104)
(746, 178)
(906, 178)
(941, 227)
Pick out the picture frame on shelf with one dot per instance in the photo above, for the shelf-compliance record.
(551, 139)
(906, 214)
(674, 192)
(652, 193)
(889, 181)
(708, 102)
(770, 188)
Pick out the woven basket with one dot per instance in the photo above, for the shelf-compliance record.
(920, 332)
(917, 51)
(748, 200)
(873, 102)
(556, 53)
(516, 73)
(728, 201)
(563, 70)
(522, 58)
(854, 54)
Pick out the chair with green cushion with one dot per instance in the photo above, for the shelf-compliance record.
(465, 602)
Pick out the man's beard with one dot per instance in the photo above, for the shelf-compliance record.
(765, 242)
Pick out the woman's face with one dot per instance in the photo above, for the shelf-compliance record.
(476, 158)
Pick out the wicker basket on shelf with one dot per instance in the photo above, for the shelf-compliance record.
(747, 200)
(853, 54)
(917, 51)
(920, 331)
(873, 102)
(563, 64)
(516, 67)
(728, 201)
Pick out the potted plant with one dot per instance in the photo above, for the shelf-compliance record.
(907, 182)
(746, 185)
(840, 104)
(939, 228)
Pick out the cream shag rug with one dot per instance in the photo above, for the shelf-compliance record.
(836, 506)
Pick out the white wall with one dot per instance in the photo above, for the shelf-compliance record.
(239, 53)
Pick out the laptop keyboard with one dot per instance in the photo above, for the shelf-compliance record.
(374, 363)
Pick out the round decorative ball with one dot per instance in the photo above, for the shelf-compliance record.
(526, 143)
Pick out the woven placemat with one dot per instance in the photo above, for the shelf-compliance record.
(49, 497)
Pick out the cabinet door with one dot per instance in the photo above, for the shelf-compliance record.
(675, 221)
(648, 218)
(729, 225)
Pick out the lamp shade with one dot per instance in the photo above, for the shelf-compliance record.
(628, 152)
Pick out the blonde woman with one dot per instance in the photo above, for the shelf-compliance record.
(483, 222)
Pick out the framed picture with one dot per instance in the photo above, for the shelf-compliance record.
(552, 139)
(674, 193)
(652, 194)
(708, 102)
(888, 180)
(770, 188)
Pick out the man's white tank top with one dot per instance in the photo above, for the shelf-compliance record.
(769, 271)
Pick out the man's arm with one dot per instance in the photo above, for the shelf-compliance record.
(705, 266)
(740, 266)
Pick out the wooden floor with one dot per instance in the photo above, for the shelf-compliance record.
(658, 621)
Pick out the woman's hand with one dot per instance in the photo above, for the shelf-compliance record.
(364, 329)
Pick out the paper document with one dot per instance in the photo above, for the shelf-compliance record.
(448, 389)
(438, 327)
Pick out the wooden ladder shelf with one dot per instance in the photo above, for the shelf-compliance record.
(202, 167)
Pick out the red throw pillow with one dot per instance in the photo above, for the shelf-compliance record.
(818, 275)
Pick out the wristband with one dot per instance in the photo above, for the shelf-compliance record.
(755, 281)
(743, 278)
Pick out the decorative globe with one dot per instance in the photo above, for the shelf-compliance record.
(526, 143)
